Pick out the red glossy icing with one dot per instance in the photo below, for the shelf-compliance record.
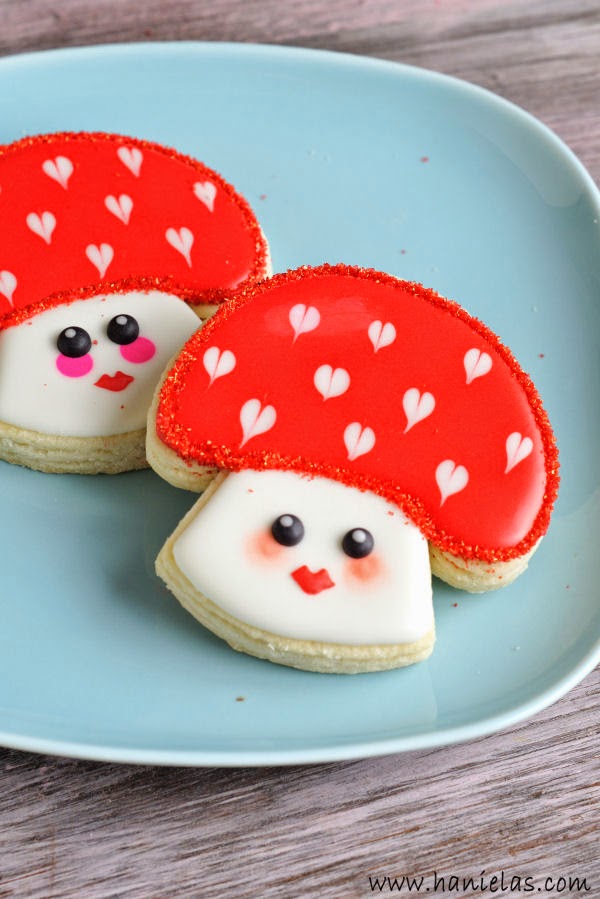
(494, 515)
(67, 233)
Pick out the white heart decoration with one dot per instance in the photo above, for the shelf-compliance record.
(101, 256)
(476, 364)
(8, 284)
(43, 225)
(206, 193)
(255, 419)
(381, 334)
(120, 207)
(358, 440)
(218, 363)
(417, 406)
(451, 478)
(59, 169)
(517, 449)
(181, 241)
(303, 319)
(331, 382)
(132, 158)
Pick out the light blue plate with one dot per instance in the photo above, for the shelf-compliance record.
(344, 159)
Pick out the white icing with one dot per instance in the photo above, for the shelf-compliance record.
(100, 257)
(256, 419)
(59, 169)
(43, 225)
(417, 406)
(35, 395)
(206, 193)
(8, 285)
(451, 478)
(331, 381)
(358, 440)
(219, 553)
(381, 334)
(132, 158)
(517, 449)
(182, 241)
(477, 364)
(120, 207)
(304, 319)
(218, 363)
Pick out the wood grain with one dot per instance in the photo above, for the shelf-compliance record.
(525, 801)
(542, 55)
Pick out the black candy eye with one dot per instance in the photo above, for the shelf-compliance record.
(123, 329)
(287, 530)
(74, 342)
(358, 543)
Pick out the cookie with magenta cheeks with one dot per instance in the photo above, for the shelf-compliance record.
(370, 432)
(111, 251)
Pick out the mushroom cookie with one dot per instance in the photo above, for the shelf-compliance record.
(369, 433)
(111, 248)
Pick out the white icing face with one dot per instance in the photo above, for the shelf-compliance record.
(96, 386)
(312, 590)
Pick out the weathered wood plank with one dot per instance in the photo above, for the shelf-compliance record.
(525, 802)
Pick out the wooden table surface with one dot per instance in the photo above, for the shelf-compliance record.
(525, 801)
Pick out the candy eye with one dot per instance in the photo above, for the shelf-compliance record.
(358, 543)
(123, 329)
(287, 530)
(74, 342)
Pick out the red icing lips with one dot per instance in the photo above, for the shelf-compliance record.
(117, 382)
(380, 384)
(312, 582)
(93, 213)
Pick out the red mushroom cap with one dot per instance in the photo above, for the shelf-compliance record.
(87, 213)
(380, 384)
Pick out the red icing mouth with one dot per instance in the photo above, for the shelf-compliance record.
(312, 582)
(118, 381)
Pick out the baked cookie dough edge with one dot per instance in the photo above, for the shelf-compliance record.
(59, 454)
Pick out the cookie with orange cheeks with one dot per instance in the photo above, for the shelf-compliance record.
(111, 251)
(369, 432)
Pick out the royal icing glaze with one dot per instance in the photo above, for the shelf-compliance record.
(311, 590)
(108, 388)
(381, 385)
(88, 213)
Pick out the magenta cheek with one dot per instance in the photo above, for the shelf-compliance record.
(74, 367)
(141, 350)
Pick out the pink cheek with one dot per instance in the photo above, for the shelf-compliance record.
(74, 368)
(262, 548)
(141, 350)
(366, 570)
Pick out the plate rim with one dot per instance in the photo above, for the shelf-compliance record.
(330, 751)
(263, 758)
(337, 57)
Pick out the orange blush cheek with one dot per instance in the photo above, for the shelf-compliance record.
(262, 547)
(366, 570)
